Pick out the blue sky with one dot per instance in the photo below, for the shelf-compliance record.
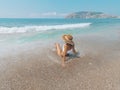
(55, 8)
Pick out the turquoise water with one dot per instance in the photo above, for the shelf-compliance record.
(24, 34)
(30, 30)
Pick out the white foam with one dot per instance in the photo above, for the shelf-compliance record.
(24, 29)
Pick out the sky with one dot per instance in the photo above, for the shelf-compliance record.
(55, 8)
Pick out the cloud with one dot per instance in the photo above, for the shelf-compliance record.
(47, 15)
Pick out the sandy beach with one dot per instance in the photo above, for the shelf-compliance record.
(39, 68)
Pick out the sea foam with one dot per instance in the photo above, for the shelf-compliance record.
(6, 30)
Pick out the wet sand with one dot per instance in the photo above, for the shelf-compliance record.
(98, 67)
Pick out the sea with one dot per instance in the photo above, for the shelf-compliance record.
(22, 32)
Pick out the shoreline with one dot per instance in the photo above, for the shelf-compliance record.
(39, 68)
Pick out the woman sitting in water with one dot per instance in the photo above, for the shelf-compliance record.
(69, 45)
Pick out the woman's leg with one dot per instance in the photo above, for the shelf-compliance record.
(59, 52)
(58, 49)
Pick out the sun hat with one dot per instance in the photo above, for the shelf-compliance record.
(68, 39)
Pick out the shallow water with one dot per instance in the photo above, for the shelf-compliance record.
(27, 33)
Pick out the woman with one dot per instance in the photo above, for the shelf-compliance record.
(69, 45)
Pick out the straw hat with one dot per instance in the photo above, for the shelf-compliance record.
(68, 39)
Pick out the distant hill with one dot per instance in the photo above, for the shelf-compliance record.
(88, 14)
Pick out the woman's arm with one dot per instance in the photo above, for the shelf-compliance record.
(73, 49)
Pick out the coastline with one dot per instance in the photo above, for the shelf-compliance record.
(40, 68)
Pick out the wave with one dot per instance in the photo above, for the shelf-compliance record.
(6, 30)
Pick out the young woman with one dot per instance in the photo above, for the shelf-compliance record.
(68, 46)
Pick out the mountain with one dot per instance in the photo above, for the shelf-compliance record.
(88, 14)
